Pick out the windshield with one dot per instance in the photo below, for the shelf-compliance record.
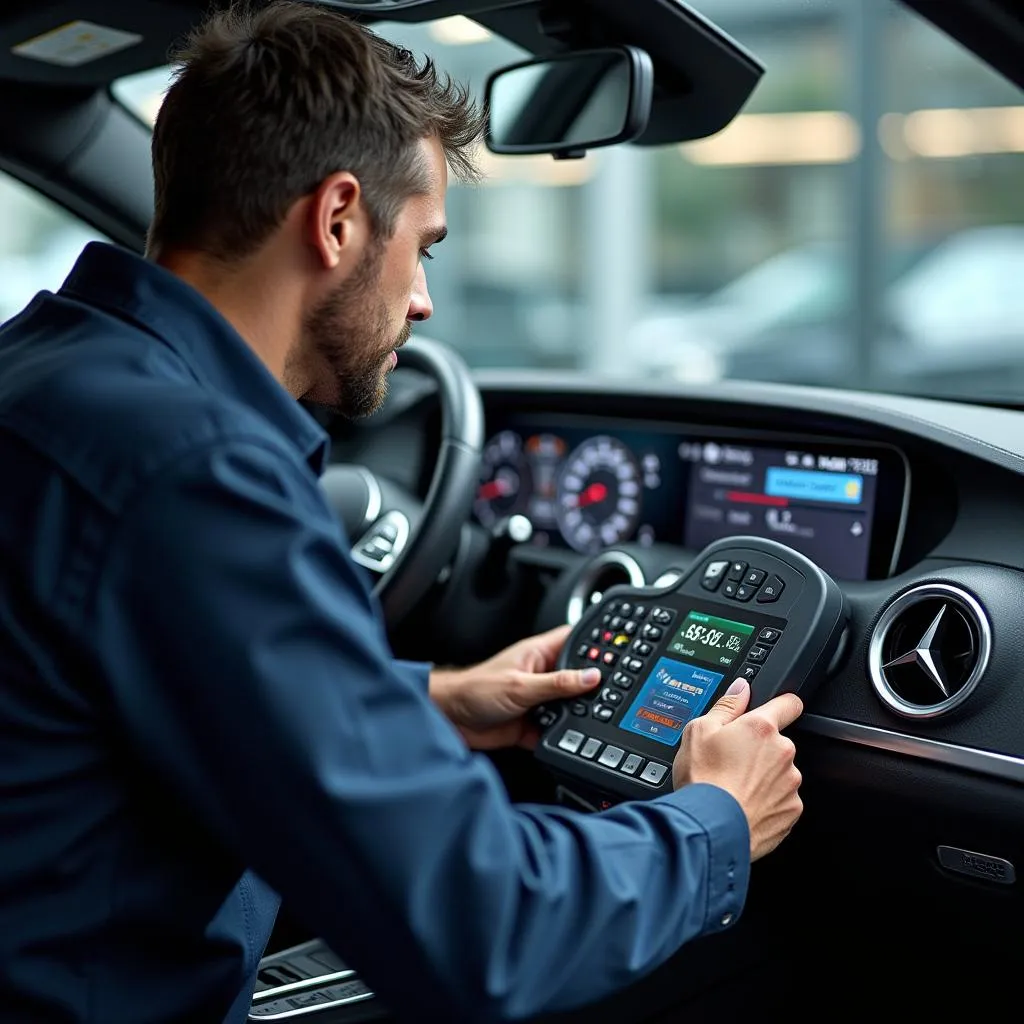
(861, 223)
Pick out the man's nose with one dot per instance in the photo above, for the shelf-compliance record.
(420, 306)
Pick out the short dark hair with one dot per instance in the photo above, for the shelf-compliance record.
(268, 102)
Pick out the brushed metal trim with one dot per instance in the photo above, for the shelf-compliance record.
(986, 762)
(268, 995)
(924, 592)
(301, 1011)
(579, 599)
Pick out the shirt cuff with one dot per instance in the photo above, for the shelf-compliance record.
(418, 671)
(719, 814)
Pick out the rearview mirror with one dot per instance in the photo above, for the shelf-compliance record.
(570, 103)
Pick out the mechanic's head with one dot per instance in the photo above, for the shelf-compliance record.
(303, 161)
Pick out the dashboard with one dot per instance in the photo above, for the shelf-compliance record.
(912, 747)
(591, 483)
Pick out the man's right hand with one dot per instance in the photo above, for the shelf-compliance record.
(747, 755)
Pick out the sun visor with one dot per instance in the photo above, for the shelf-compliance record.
(87, 43)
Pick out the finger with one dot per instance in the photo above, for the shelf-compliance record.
(535, 688)
(782, 710)
(545, 647)
(731, 705)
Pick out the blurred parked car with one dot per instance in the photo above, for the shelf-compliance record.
(952, 308)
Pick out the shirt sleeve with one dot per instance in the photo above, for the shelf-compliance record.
(252, 673)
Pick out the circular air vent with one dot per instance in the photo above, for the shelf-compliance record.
(929, 649)
(607, 570)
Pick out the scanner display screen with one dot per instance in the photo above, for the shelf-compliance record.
(677, 690)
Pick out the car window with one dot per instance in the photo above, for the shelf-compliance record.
(39, 243)
(877, 168)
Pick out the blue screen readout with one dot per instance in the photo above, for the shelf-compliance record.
(672, 694)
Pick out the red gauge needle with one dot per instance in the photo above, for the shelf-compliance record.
(592, 495)
(496, 488)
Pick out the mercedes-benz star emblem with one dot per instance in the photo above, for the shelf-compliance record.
(926, 655)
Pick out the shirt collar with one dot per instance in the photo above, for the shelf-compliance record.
(159, 302)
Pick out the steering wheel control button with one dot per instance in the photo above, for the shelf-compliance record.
(771, 591)
(631, 764)
(622, 680)
(749, 672)
(654, 773)
(625, 609)
(662, 616)
(571, 741)
(744, 592)
(609, 658)
(641, 648)
(389, 531)
(620, 641)
(729, 590)
(377, 549)
(610, 696)
(755, 577)
(633, 665)
(603, 712)
(590, 748)
(768, 635)
(578, 708)
(639, 612)
(617, 622)
(714, 573)
(581, 651)
(593, 653)
(611, 757)
(629, 627)
(757, 654)
(650, 632)
(737, 571)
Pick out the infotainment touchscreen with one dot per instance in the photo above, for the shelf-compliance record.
(680, 687)
(820, 504)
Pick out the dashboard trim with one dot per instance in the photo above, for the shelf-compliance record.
(986, 762)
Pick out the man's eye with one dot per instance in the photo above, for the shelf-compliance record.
(425, 253)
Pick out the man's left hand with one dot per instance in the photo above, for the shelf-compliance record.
(488, 702)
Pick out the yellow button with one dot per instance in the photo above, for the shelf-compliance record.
(621, 640)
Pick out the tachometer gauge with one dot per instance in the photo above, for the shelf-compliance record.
(505, 479)
(598, 494)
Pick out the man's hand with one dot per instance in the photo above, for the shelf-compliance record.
(488, 702)
(747, 755)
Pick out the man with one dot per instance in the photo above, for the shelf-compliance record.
(198, 707)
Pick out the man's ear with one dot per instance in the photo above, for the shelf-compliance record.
(337, 224)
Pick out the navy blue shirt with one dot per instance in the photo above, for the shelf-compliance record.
(199, 711)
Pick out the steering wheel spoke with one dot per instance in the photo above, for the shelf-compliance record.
(381, 545)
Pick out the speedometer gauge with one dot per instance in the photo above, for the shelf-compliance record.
(505, 479)
(598, 494)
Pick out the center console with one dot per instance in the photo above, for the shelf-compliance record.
(749, 608)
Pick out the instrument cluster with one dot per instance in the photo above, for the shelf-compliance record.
(589, 494)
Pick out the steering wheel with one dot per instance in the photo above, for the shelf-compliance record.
(404, 543)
